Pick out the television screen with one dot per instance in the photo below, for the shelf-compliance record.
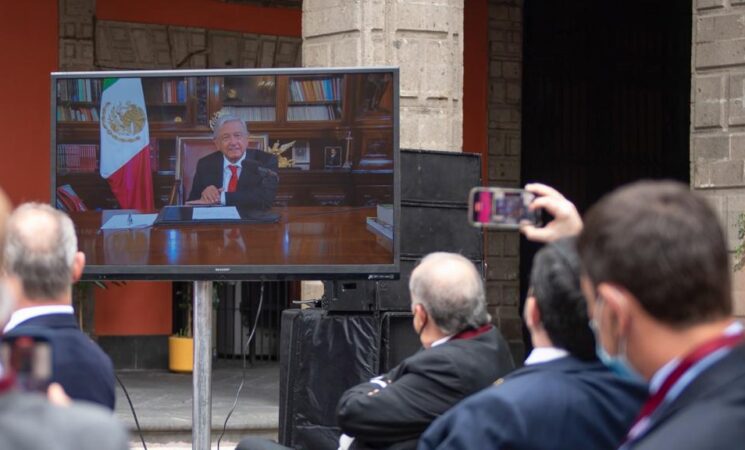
(230, 174)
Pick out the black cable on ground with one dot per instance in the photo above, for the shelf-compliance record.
(134, 414)
(243, 357)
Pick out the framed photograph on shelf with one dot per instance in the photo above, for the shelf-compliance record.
(258, 142)
(332, 157)
(301, 153)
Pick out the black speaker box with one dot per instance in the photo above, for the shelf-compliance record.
(321, 356)
(375, 295)
(398, 339)
(438, 177)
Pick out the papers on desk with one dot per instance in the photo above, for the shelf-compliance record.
(129, 221)
(215, 213)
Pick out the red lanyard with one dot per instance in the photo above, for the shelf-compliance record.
(704, 350)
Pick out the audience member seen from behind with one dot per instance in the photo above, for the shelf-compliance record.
(28, 421)
(463, 354)
(658, 282)
(41, 264)
(563, 398)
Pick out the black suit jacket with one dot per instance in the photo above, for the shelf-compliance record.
(78, 363)
(422, 387)
(561, 404)
(708, 414)
(257, 184)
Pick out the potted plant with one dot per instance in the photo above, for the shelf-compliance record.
(181, 344)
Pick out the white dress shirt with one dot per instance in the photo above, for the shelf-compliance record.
(545, 354)
(25, 314)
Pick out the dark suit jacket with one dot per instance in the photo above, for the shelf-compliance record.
(78, 363)
(708, 414)
(422, 387)
(561, 404)
(257, 184)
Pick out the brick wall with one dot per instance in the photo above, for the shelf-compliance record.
(505, 110)
(718, 115)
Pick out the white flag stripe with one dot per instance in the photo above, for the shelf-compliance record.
(124, 127)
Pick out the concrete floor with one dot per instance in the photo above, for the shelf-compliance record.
(163, 403)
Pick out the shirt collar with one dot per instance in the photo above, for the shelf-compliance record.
(239, 163)
(545, 354)
(441, 341)
(662, 373)
(25, 314)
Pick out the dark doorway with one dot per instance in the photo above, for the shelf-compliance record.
(606, 94)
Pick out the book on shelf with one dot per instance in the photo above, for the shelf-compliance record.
(79, 90)
(173, 91)
(252, 113)
(77, 114)
(77, 158)
(315, 90)
(313, 112)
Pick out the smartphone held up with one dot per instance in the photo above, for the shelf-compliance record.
(502, 208)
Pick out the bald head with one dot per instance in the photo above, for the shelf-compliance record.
(450, 288)
(41, 248)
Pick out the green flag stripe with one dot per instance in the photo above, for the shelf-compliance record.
(107, 82)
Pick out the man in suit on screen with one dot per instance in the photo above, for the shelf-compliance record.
(234, 175)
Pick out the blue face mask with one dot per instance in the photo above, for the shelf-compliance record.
(617, 364)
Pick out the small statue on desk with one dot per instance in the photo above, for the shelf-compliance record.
(277, 150)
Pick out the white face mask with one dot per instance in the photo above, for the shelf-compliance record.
(618, 363)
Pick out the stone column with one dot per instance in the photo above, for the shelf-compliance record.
(423, 37)
(718, 116)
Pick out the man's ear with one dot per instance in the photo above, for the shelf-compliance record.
(532, 314)
(617, 300)
(78, 264)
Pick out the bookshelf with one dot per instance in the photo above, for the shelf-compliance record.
(350, 112)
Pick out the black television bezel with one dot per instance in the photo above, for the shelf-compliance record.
(241, 272)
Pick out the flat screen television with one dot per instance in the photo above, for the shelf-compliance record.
(230, 174)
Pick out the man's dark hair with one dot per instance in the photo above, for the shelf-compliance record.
(664, 244)
(554, 280)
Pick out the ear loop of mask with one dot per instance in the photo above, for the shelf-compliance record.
(424, 324)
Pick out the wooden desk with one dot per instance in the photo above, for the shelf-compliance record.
(317, 235)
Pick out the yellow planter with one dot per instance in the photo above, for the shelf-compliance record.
(180, 354)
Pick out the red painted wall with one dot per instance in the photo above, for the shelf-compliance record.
(28, 49)
(476, 80)
(137, 308)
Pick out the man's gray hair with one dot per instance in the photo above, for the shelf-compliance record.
(451, 290)
(223, 119)
(40, 247)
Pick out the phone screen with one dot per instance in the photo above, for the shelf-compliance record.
(30, 359)
(482, 207)
(502, 208)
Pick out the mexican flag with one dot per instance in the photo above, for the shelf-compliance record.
(125, 143)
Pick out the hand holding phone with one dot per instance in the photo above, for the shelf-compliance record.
(29, 358)
(566, 220)
(502, 208)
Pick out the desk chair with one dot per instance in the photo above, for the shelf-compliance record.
(189, 150)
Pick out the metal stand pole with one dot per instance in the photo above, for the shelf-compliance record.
(201, 415)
